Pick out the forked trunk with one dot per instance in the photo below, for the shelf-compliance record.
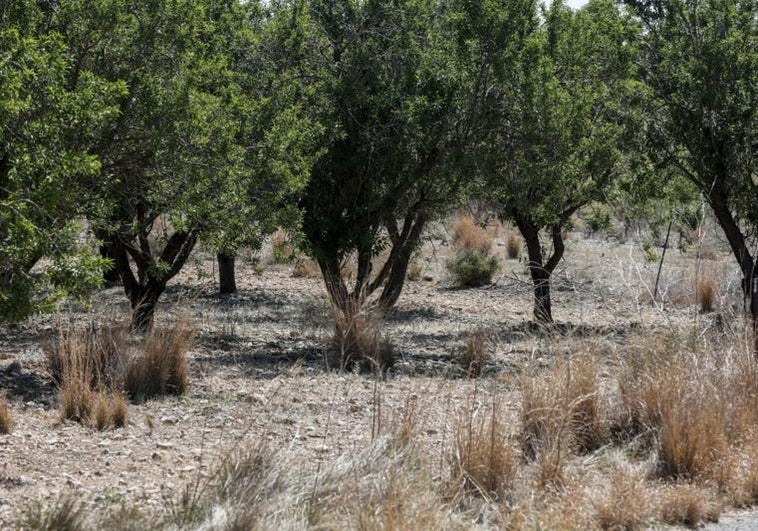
(226, 278)
(540, 269)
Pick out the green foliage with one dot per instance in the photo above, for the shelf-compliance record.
(599, 218)
(699, 63)
(50, 116)
(471, 268)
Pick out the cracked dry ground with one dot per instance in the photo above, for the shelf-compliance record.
(258, 372)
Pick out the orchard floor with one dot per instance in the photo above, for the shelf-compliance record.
(258, 369)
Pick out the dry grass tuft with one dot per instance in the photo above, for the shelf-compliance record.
(110, 411)
(65, 515)
(706, 293)
(359, 341)
(6, 419)
(626, 504)
(513, 246)
(467, 235)
(474, 355)
(560, 410)
(484, 460)
(306, 268)
(686, 504)
(668, 395)
(98, 354)
(160, 368)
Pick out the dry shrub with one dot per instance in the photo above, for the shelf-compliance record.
(474, 355)
(110, 411)
(467, 235)
(706, 293)
(282, 249)
(484, 458)
(513, 246)
(98, 354)
(664, 393)
(6, 419)
(306, 268)
(626, 503)
(560, 409)
(686, 504)
(75, 395)
(359, 341)
(160, 367)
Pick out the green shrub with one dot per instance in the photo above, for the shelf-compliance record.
(599, 218)
(472, 268)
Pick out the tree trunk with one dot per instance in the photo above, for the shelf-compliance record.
(226, 279)
(718, 199)
(143, 307)
(539, 269)
(393, 286)
(543, 310)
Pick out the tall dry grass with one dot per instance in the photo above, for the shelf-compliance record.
(467, 235)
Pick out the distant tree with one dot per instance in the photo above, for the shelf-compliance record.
(400, 109)
(50, 117)
(205, 144)
(701, 66)
(562, 126)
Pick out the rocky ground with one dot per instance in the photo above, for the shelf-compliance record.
(259, 369)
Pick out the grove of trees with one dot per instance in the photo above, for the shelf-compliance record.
(133, 131)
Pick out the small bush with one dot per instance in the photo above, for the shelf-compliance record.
(513, 246)
(706, 293)
(471, 268)
(358, 341)
(475, 352)
(484, 458)
(160, 368)
(561, 409)
(282, 250)
(6, 419)
(98, 354)
(468, 236)
(110, 411)
(599, 218)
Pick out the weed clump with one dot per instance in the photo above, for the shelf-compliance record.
(358, 341)
(474, 355)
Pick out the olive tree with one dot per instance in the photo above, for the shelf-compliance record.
(401, 109)
(700, 64)
(205, 142)
(50, 117)
(561, 127)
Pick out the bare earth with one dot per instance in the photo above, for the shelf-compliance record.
(258, 371)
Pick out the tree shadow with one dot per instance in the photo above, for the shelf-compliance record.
(26, 386)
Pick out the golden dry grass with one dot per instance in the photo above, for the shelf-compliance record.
(6, 418)
(359, 340)
(513, 245)
(467, 235)
(160, 367)
(706, 293)
(475, 352)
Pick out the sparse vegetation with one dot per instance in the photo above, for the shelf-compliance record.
(513, 246)
(468, 236)
(475, 352)
(359, 340)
